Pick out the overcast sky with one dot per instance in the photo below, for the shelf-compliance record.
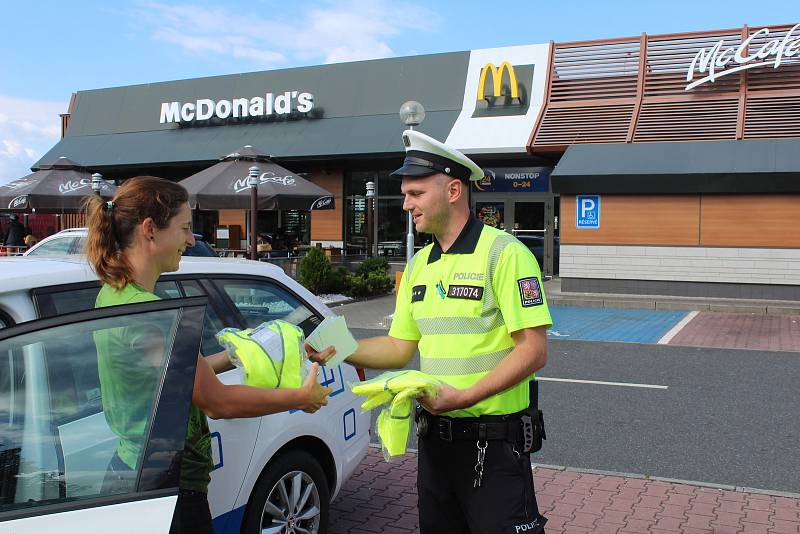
(54, 48)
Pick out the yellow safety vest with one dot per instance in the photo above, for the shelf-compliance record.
(396, 389)
(260, 368)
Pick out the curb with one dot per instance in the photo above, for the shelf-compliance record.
(754, 307)
(355, 300)
(710, 485)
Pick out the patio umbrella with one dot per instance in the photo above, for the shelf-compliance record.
(56, 187)
(224, 185)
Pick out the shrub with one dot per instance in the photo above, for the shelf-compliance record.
(375, 282)
(315, 269)
(373, 264)
(338, 280)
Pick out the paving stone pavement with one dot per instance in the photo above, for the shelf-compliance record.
(381, 497)
(741, 331)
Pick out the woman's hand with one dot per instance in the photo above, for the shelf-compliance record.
(315, 396)
(320, 357)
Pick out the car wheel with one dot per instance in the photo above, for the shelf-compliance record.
(290, 497)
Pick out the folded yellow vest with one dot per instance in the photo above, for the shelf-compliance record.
(270, 355)
(396, 389)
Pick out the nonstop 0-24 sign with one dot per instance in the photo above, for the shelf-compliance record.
(516, 179)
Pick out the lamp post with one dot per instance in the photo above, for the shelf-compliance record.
(252, 183)
(412, 113)
(97, 183)
(370, 211)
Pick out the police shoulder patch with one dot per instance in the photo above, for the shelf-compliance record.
(417, 293)
(530, 294)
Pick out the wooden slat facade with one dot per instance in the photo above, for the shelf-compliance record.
(636, 220)
(688, 220)
(634, 90)
(750, 221)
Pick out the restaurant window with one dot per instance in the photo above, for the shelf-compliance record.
(296, 224)
(389, 215)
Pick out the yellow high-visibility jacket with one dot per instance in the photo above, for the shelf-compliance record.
(260, 368)
(396, 389)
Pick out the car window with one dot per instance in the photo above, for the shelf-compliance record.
(55, 247)
(74, 299)
(76, 402)
(5, 321)
(260, 301)
(79, 245)
(167, 290)
(212, 322)
(200, 248)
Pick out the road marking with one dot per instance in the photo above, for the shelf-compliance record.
(600, 383)
(666, 338)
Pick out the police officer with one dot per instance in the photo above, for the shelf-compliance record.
(472, 303)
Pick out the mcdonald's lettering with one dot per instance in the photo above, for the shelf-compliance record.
(497, 80)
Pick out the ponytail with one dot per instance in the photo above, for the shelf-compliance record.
(102, 248)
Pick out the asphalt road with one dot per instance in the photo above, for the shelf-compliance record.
(726, 416)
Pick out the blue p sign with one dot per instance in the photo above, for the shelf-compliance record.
(587, 211)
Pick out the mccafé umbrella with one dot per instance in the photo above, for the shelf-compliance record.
(59, 186)
(224, 185)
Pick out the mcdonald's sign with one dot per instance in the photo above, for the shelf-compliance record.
(508, 92)
(497, 80)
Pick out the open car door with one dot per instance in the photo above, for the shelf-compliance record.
(94, 407)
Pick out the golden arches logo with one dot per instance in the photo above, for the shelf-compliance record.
(497, 80)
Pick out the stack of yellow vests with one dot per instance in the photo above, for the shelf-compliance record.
(396, 390)
(271, 355)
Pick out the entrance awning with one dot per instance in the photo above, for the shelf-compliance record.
(376, 135)
(757, 166)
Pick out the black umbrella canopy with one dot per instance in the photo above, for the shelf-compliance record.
(224, 185)
(58, 186)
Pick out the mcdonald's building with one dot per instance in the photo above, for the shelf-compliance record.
(666, 164)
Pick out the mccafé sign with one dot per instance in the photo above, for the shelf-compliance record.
(721, 60)
(270, 105)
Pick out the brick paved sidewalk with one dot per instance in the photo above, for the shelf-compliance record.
(382, 497)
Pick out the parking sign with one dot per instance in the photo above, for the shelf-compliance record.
(587, 213)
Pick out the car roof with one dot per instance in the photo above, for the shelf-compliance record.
(85, 231)
(27, 272)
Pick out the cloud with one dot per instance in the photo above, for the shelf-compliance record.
(333, 32)
(28, 129)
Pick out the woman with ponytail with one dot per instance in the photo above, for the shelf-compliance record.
(134, 238)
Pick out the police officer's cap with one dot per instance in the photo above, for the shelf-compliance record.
(426, 156)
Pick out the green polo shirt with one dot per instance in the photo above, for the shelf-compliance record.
(128, 382)
(462, 306)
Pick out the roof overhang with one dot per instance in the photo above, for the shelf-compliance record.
(755, 166)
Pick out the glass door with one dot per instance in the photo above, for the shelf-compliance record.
(491, 213)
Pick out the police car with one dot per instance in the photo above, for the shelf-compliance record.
(272, 474)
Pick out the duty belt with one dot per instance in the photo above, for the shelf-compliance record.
(487, 427)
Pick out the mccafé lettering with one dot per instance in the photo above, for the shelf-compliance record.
(240, 184)
(720, 61)
(268, 106)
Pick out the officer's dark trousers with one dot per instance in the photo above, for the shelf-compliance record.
(448, 502)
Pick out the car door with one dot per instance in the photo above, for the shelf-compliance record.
(66, 414)
(232, 441)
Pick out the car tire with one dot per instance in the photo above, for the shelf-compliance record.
(295, 475)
